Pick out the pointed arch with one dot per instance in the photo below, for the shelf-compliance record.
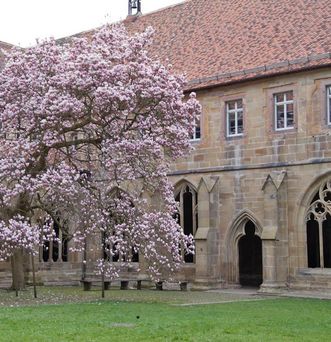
(184, 182)
(309, 192)
(235, 232)
(187, 216)
(236, 227)
(312, 227)
(115, 190)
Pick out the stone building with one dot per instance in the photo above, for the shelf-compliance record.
(256, 191)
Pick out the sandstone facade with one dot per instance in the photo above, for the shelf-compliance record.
(248, 196)
(265, 176)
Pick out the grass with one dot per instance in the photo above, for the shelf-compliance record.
(58, 295)
(159, 316)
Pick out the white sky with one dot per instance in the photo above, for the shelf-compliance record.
(22, 21)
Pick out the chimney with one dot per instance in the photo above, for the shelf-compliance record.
(134, 7)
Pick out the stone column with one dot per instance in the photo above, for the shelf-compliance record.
(204, 237)
(269, 264)
(274, 235)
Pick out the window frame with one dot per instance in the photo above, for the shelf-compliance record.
(328, 103)
(236, 110)
(283, 103)
(194, 138)
(269, 110)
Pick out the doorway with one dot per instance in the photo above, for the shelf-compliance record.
(250, 257)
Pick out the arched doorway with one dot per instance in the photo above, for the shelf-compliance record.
(250, 257)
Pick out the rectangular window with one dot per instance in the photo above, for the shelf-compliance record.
(197, 130)
(284, 111)
(234, 118)
(328, 103)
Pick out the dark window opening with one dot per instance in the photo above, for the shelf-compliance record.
(313, 244)
(55, 250)
(318, 228)
(115, 255)
(112, 252)
(135, 256)
(188, 219)
(250, 257)
(187, 216)
(327, 197)
(327, 241)
(46, 251)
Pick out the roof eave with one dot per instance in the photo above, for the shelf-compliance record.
(254, 78)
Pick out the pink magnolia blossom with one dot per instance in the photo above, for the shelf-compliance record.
(84, 117)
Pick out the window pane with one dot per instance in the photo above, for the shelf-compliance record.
(290, 119)
(289, 95)
(239, 104)
(197, 128)
(232, 124)
(231, 105)
(279, 97)
(289, 107)
(197, 132)
(280, 116)
(240, 123)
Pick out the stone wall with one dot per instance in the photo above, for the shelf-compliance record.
(262, 176)
(265, 176)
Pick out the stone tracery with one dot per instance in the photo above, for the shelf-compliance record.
(318, 220)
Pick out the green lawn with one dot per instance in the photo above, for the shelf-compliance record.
(153, 316)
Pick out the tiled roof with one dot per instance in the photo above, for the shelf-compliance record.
(3, 46)
(218, 42)
(222, 41)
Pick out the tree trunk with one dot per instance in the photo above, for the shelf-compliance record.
(18, 272)
(34, 277)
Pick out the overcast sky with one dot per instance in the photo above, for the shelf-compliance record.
(22, 21)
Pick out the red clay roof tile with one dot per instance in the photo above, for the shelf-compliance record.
(224, 41)
(211, 41)
(6, 47)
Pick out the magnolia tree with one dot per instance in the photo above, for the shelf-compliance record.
(80, 119)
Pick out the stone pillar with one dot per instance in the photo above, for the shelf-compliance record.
(274, 236)
(201, 255)
(269, 264)
(204, 236)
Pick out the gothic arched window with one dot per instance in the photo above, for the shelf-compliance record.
(110, 251)
(187, 215)
(56, 249)
(319, 228)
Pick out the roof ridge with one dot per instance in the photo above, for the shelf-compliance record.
(182, 2)
(125, 20)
